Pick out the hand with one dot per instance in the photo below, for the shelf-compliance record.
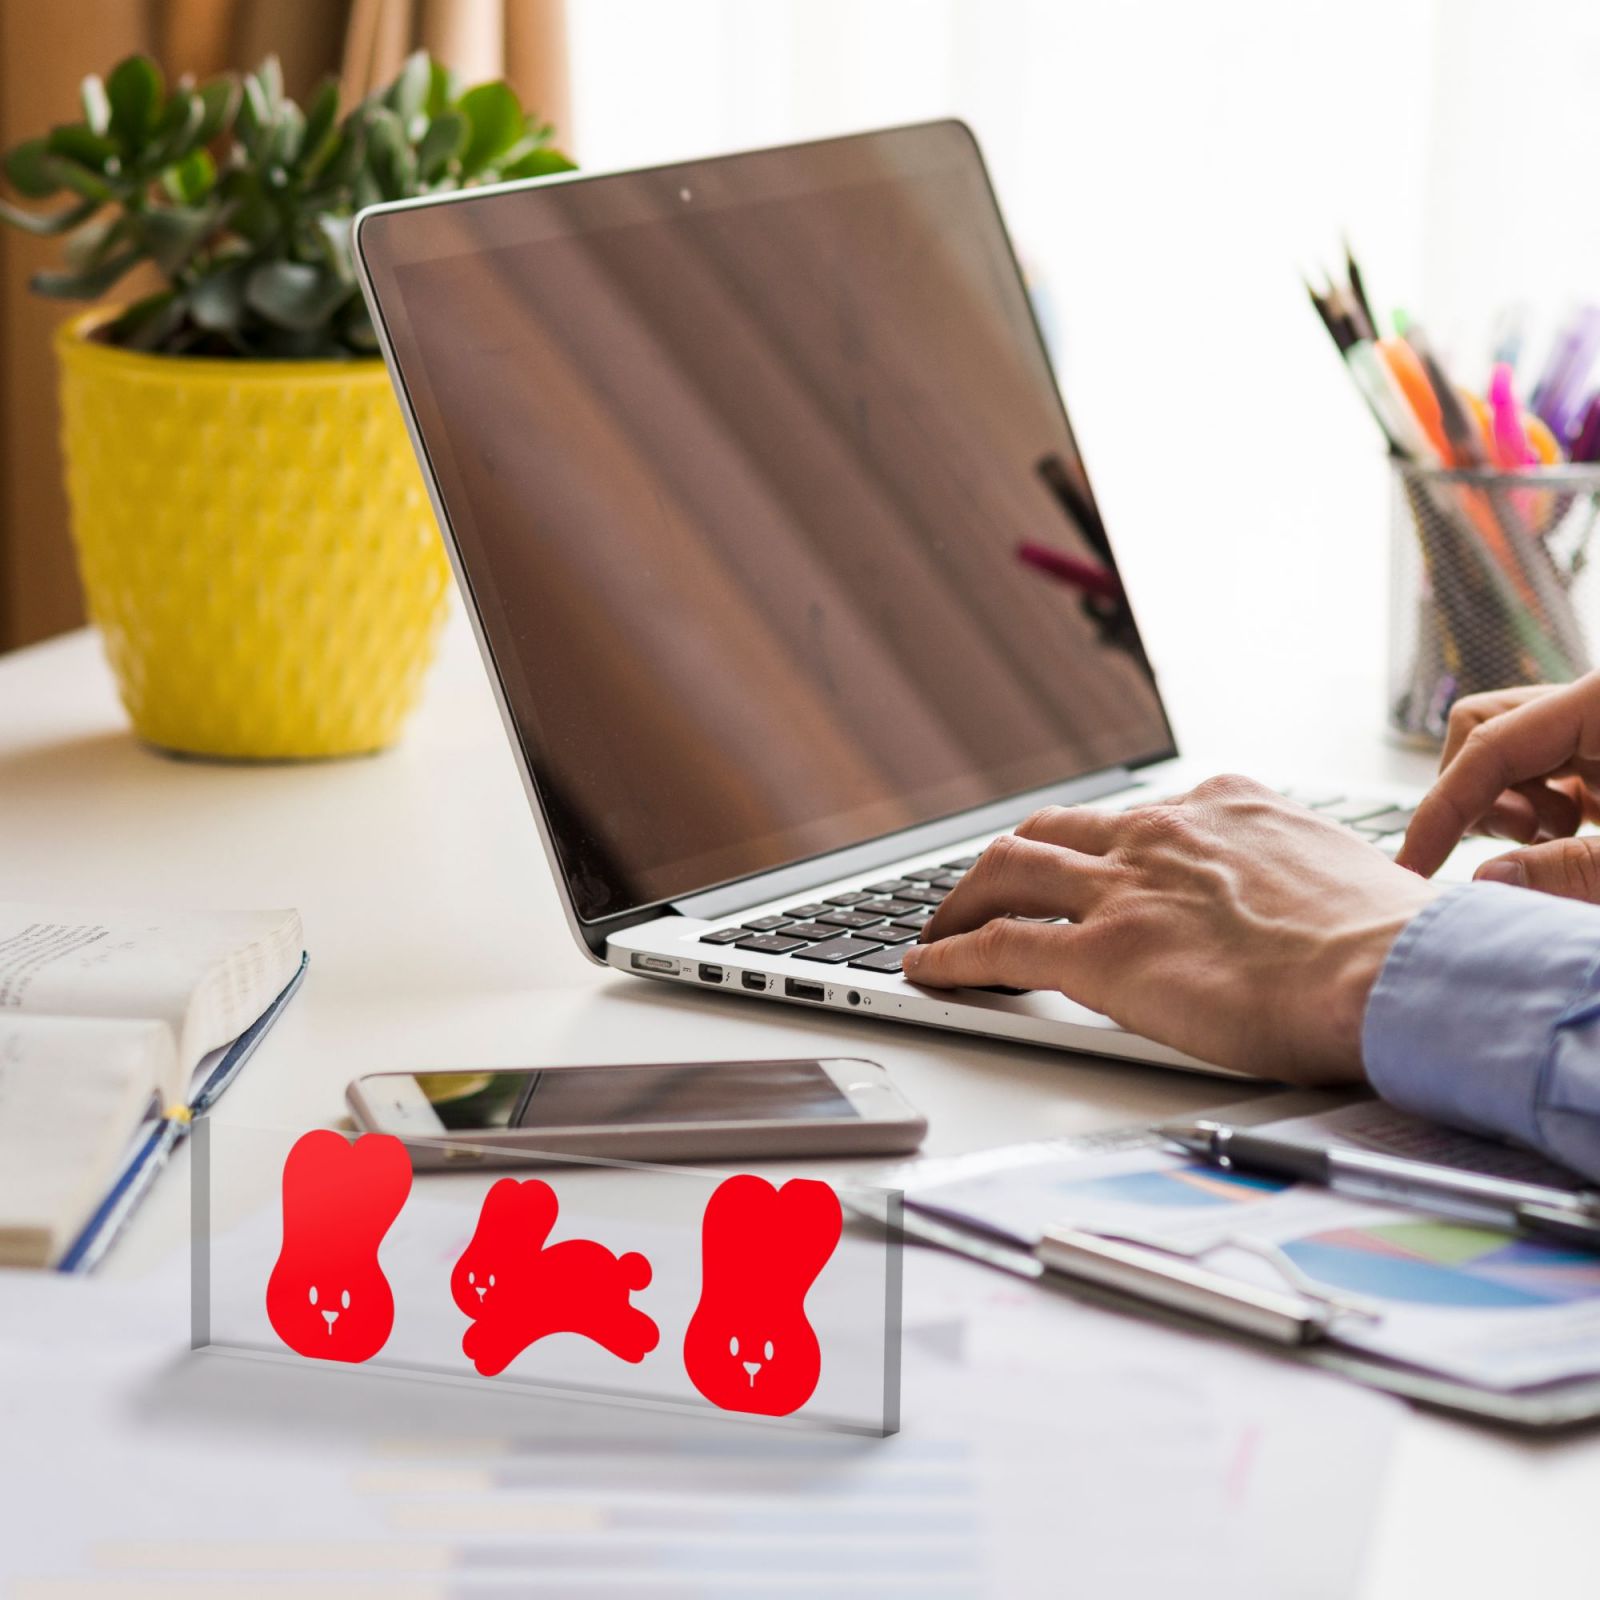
(1231, 924)
(1522, 764)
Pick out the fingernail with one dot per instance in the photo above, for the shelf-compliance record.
(1512, 872)
(909, 960)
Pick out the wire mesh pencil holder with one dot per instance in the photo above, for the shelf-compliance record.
(1488, 586)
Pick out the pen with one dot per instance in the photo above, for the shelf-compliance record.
(1135, 1271)
(1530, 1208)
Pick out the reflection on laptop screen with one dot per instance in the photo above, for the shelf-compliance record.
(739, 457)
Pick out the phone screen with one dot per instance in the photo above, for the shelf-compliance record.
(695, 1092)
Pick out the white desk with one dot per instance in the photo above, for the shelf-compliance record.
(429, 912)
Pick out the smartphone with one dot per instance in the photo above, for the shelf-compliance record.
(666, 1111)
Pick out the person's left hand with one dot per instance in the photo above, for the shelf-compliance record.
(1231, 924)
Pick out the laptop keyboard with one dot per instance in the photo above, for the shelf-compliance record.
(866, 927)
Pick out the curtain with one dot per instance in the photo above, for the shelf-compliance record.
(46, 49)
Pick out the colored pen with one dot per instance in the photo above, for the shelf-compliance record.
(1529, 1208)
(1511, 446)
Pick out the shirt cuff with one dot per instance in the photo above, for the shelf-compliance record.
(1464, 1013)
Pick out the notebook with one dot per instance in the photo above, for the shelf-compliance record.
(114, 1026)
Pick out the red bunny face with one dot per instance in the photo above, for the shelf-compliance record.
(749, 1346)
(517, 1289)
(327, 1296)
(513, 1225)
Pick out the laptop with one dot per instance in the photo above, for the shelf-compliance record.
(781, 555)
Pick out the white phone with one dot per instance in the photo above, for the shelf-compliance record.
(666, 1111)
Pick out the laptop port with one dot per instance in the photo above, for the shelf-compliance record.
(799, 989)
(709, 973)
(753, 980)
(665, 964)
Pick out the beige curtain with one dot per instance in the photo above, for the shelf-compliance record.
(46, 47)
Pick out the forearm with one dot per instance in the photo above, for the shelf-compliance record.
(1486, 1015)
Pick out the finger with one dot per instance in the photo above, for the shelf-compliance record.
(1077, 827)
(1020, 955)
(1534, 739)
(1472, 709)
(1020, 878)
(1510, 817)
(1556, 813)
(1566, 867)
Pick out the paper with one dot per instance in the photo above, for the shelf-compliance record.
(207, 975)
(1473, 1303)
(1048, 1448)
(71, 1093)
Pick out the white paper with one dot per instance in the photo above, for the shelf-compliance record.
(1047, 1449)
(1472, 1303)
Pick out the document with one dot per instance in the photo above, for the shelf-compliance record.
(1042, 1441)
(1473, 1303)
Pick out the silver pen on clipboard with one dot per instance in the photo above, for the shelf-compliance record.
(1136, 1271)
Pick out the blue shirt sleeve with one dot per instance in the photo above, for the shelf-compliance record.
(1486, 1015)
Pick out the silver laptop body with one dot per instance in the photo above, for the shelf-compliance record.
(781, 555)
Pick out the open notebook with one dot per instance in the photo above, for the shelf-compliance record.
(113, 1026)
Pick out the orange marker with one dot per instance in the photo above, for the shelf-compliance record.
(1412, 380)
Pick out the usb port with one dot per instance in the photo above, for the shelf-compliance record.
(799, 989)
(643, 963)
(709, 973)
(753, 980)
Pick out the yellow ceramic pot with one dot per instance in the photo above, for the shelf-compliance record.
(256, 545)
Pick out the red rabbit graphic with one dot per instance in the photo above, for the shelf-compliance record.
(327, 1296)
(517, 1289)
(749, 1346)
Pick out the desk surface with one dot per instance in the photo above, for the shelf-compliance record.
(437, 940)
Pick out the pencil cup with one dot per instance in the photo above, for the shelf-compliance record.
(1487, 586)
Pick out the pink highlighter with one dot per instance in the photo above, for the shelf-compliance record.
(1511, 447)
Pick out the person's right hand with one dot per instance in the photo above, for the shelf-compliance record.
(1520, 764)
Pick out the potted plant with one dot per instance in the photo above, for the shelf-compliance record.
(251, 526)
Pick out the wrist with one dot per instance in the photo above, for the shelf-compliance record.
(1357, 956)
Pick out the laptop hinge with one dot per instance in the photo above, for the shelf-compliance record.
(804, 875)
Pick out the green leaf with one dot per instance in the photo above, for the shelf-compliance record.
(251, 213)
(191, 180)
(269, 75)
(52, 222)
(87, 148)
(96, 107)
(172, 234)
(445, 139)
(178, 131)
(288, 133)
(134, 90)
(365, 192)
(216, 301)
(93, 242)
(31, 171)
(335, 235)
(444, 89)
(390, 159)
(408, 94)
(321, 131)
(294, 295)
(81, 180)
(349, 153)
(220, 99)
(85, 285)
(149, 323)
(539, 164)
(496, 120)
(255, 116)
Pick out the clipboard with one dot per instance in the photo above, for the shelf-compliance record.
(1544, 1408)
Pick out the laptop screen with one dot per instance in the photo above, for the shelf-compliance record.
(764, 494)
